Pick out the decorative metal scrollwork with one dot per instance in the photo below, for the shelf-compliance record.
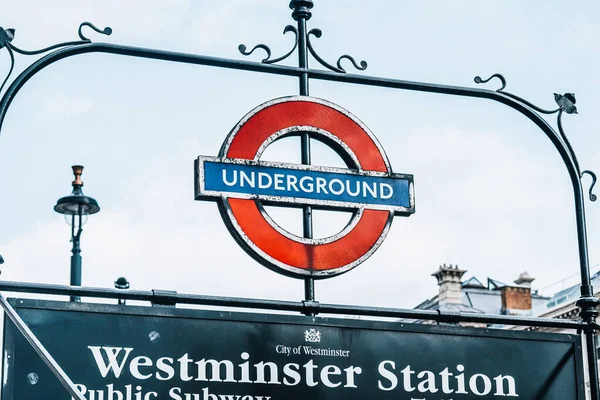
(267, 60)
(7, 36)
(566, 104)
(361, 66)
(318, 33)
(478, 80)
(499, 76)
(593, 197)
(566, 140)
(106, 31)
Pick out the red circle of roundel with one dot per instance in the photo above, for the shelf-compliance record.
(287, 253)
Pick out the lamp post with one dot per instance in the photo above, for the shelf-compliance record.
(76, 207)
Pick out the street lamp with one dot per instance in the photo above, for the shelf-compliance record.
(76, 207)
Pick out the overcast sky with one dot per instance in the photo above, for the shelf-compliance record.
(492, 194)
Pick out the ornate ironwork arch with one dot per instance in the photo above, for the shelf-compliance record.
(302, 45)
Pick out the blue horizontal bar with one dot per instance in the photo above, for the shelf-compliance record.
(316, 184)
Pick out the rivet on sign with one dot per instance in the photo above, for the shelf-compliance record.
(154, 336)
(32, 378)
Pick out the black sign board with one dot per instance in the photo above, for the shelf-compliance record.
(115, 352)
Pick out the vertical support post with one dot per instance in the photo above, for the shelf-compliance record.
(301, 13)
(76, 266)
(76, 255)
(588, 302)
(592, 360)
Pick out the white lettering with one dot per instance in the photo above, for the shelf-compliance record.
(332, 190)
(428, 384)
(233, 182)
(111, 355)
(245, 367)
(371, 190)
(165, 364)
(487, 385)
(389, 375)
(82, 389)
(350, 371)
(293, 373)
(500, 379)
(406, 378)
(350, 192)
(248, 179)
(330, 370)
(112, 393)
(260, 373)
(309, 367)
(291, 183)
(215, 370)
(321, 183)
(279, 182)
(184, 361)
(136, 363)
(174, 393)
(261, 182)
(382, 192)
(308, 187)
(446, 381)
(460, 380)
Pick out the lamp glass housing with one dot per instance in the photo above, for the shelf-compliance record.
(73, 220)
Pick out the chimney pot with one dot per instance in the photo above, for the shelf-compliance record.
(450, 283)
(524, 279)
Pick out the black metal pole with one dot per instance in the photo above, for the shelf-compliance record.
(162, 296)
(301, 14)
(592, 361)
(76, 256)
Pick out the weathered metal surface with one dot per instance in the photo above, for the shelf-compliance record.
(301, 13)
(163, 353)
(36, 345)
(304, 307)
(246, 218)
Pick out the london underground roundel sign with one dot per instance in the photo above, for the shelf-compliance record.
(240, 182)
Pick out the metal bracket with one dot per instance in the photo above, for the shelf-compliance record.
(164, 298)
(310, 307)
(448, 317)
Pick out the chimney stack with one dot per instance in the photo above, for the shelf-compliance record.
(449, 281)
(516, 300)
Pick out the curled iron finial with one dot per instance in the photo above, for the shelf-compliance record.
(242, 48)
(478, 80)
(363, 64)
(84, 40)
(267, 60)
(106, 31)
(593, 197)
(7, 36)
(318, 33)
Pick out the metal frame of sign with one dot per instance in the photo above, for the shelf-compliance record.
(344, 330)
(301, 13)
